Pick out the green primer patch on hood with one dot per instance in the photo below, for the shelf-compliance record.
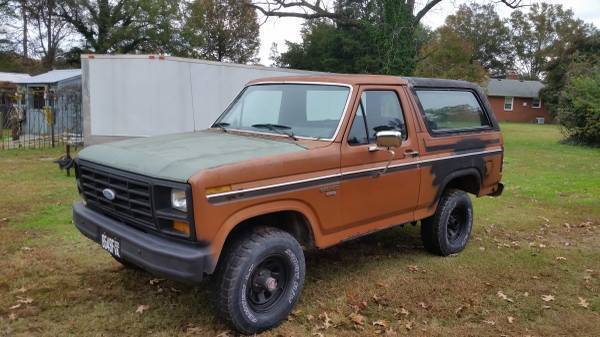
(177, 157)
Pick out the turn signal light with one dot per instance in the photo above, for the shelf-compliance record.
(181, 227)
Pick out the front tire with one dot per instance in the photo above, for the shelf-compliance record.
(260, 280)
(448, 230)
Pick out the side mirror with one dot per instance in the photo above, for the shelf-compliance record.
(388, 139)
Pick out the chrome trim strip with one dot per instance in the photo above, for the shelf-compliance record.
(337, 130)
(341, 175)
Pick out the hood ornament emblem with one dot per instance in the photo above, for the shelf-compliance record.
(109, 194)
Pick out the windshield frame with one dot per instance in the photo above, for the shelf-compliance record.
(241, 93)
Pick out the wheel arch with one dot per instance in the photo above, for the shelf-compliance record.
(468, 180)
(292, 216)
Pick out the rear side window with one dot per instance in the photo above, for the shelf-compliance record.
(447, 110)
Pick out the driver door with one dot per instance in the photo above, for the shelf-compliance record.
(370, 197)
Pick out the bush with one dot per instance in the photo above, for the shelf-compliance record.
(579, 112)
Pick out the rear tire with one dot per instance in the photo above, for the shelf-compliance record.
(260, 279)
(448, 230)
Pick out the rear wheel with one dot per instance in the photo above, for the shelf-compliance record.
(448, 230)
(260, 280)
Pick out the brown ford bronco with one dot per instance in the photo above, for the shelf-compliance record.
(292, 163)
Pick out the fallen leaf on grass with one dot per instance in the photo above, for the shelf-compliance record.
(504, 297)
(423, 305)
(583, 302)
(409, 325)
(412, 268)
(24, 300)
(140, 309)
(547, 298)
(561, 258)
(401, 311)
(510, 319)
(541, 245)
(327, 323)
(26, 249)
(381, 323)
(490, 322)
(16, 306)
(318, 334)
(193, 329)
(155, 281)
(20, 290)
(175, 290)
(12, 316)
(357, 318)
(226, 333)
(546, 307)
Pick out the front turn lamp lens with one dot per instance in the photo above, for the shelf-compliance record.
(179, 200)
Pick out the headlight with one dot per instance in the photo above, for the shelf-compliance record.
(179, 200)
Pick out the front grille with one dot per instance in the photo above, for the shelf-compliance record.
(133, 197)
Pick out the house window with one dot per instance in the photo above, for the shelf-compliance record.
(536, 103)
(508, 103)
(38, 99)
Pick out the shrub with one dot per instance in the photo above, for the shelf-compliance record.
(579, 112)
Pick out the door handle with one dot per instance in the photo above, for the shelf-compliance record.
(411, 153)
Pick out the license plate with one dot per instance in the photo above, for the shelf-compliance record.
(111, 245)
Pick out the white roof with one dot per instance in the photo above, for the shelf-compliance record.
(52, 76)
(13, 77)
(514, 88)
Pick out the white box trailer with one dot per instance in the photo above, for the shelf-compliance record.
(144, 95)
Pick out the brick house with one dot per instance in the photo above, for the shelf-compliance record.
(517, 100)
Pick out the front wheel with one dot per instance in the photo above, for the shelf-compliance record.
(260, 280)
(448, 230)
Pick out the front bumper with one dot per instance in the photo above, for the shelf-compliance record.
(158, 255)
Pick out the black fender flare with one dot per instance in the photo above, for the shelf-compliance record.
(471, 171)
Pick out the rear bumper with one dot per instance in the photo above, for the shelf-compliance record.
(158, 255)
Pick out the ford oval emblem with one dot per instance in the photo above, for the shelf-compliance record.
(109, 194)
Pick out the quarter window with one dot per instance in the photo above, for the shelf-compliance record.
(508, 103)
(377, 111)
(447, 110)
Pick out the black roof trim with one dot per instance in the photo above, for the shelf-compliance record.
(441, 83)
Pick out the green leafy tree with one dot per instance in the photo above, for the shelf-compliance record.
(449, 55)
(488, 34)
(579, 113)
(221, 30)
(579, 56)
(537, 35)
(123, 26)
(370, 36)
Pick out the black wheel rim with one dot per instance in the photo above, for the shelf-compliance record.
(268, 283)
(457, 223)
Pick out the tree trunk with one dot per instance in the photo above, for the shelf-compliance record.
(25, 23)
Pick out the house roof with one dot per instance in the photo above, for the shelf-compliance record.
(514, 88)
(52, 76)
(12, 77)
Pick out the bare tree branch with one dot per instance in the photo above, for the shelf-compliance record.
(514, 4)
(426, 10)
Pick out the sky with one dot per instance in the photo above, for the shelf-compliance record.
(278, 30)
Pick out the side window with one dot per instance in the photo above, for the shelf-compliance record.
(378, 111)
(447, 110)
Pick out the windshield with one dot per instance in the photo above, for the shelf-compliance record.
(303, 110)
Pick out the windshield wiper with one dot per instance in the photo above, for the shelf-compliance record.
(276, 128)
(221, 125)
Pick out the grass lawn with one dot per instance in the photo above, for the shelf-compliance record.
(532, 266)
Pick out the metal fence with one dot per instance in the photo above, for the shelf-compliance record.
(42, 120)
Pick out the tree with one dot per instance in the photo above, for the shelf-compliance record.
(374, 36)
(221, 30)
(390, 28)
(578, 58)
(449, 55)
(49, 30)
(487, 33)
(123, 26)
(538, 34)
(579, 114)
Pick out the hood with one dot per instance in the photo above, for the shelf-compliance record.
(177, 157)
